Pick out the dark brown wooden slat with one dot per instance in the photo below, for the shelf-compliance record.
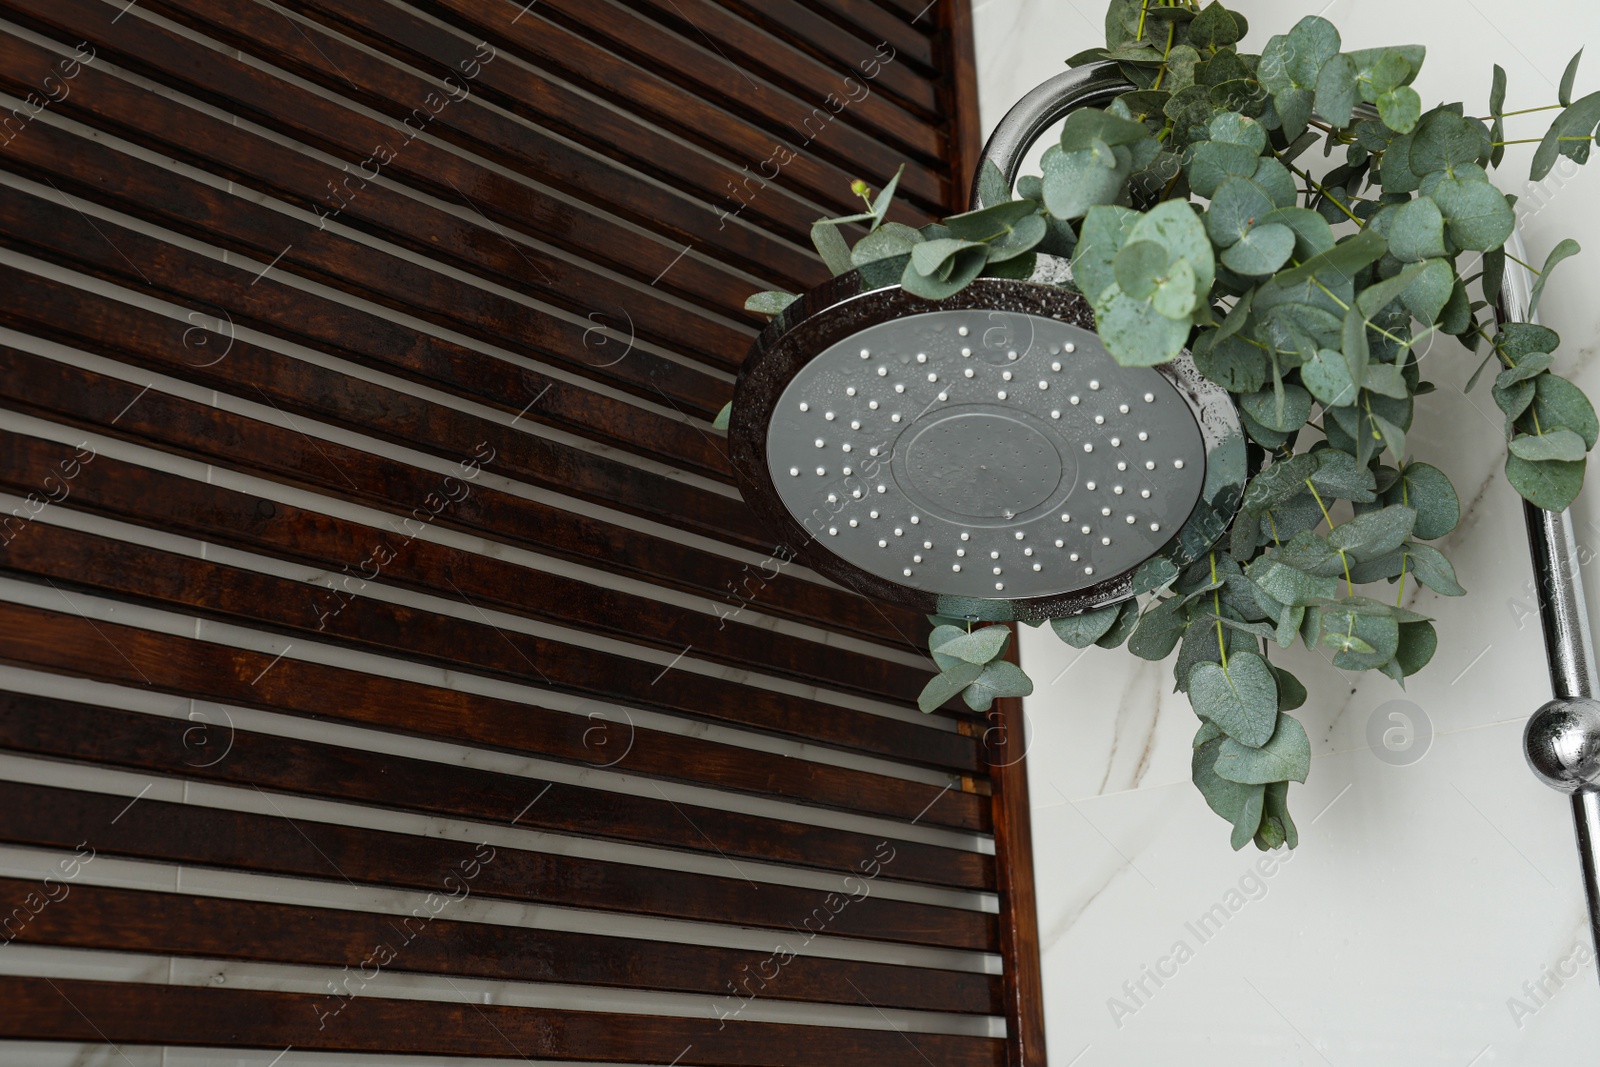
(699, 24)
(877, 59)
(912, 26)
(151, 744)
(45, 817)
(140, 495)
(919, 15)
(230, 151)
(279, 105)
(120, 570)
(74, 316)
(166, 422)
(482, 580)
(435, 712)
(43, 1009)
(546, 46)
(265, 303)
(260, 523)
(174, 924)
(84, 167)
(568, 469)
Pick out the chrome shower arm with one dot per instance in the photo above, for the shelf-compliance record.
(1094, 85)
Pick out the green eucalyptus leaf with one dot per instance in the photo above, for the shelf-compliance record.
(1418, 642)
(999, 679)
(885, 198)
(1285, 412)
(1374, 533)
(1134, 332)
(1569, 76)
(1339, 475)
(1241, 698)
(1285, 756)
(1105, 230)
(961, 268)
(1475, 212)
(769, 303)
(1261, 250)
(1231, 127)
(1337, 90)
(1432, 569)
(929, 257)
(1233, 363)
(1564, 250)
(1400, 108)
(1417, 231)
(946, 684)
(1556, 444)
(1340, 262)
(1158, 631)
(1076, 181)
(990, 222)
(1327, 375)
(1551, 484)
(1426, 490)
(1122, 627)
(832, 247)
(1238, 804)
(1081, 631)
(1237, 206)
(1443, 142)
(1086, 126)
(1559, 403)
(1212, 162)
(1430, 290)
(1275, 809)
(1176, 226)
(942, 633)
(887, 241)
(979, 646)
(1279, 482)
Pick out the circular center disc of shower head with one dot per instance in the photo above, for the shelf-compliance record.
(974, 464)
(985, 454)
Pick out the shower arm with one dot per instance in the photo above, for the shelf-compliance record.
(1562, 738)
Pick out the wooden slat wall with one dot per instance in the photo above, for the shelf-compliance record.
(389, 670)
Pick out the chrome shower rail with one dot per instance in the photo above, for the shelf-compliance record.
(1562, 738)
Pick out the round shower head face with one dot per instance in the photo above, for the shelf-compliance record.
(982, 456)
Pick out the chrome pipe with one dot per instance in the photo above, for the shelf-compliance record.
(1562, 738)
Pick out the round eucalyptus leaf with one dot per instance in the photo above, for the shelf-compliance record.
(1550, 484)
(1236, 208)
(1559, 403)
(1241, 698)
(1416, 232)
(1212, 162)
(979, 646)
(1556, 444)
(1476, 213)
(1081, 631)
(946, 684)
(1135, 333)
(1261, 250)
(1285, 757)
(1426, 490)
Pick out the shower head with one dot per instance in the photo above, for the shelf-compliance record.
(980, 456)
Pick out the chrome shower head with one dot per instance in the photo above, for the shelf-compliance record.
(981, 456)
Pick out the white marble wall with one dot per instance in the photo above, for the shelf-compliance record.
(1426, 891)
